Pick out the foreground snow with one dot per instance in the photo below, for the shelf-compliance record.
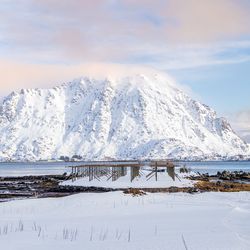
(118, 221)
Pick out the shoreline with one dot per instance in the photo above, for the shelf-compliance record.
(47, 186)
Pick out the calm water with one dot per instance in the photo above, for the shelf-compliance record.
(212, 167)
(42, 168)
(38, 168)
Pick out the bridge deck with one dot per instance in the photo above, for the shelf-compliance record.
(160, 163)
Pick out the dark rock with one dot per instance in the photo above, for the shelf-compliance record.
(192, 190)
(173, 189)
(218, 183)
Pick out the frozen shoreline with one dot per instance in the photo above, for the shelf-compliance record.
(117, 221)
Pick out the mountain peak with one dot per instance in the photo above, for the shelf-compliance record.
(123, 117)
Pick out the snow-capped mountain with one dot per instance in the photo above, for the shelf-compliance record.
(138, 116)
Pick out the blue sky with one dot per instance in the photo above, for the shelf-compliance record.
(204, 45)
(224, 87)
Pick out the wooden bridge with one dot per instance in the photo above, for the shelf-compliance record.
(116, 169)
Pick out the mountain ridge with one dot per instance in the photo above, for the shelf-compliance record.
(137, 116)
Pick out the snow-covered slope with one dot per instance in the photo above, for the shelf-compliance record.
(139, 116)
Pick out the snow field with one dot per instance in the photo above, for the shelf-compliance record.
(117, 221)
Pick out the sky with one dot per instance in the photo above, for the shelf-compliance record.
(203, 44)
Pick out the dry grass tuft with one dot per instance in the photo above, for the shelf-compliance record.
(134, 192)
(222, 186)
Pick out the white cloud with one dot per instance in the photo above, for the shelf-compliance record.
(173, 33)
(241, 123)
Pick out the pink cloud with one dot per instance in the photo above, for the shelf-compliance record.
(108, 31)
(16, 75)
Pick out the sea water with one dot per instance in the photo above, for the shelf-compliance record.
(51, 168)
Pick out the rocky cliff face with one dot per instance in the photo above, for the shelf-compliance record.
(139, 116)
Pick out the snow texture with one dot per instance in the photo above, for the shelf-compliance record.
(109, 221)
(139, 116)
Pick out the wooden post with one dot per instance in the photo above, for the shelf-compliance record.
(156, 177)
